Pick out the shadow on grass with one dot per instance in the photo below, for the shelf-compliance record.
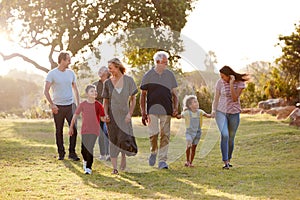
(157, 184)
(33, 145)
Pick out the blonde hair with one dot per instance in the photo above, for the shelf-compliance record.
(118, 64)
(187, 101)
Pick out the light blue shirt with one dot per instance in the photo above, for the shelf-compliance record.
(62, 86)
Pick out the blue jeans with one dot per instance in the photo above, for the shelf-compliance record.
(103, 140)
(227, 124)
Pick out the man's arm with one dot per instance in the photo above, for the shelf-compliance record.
(76, 93)
(54, 108)
(175, 102)
(143, 101)
(143, 107)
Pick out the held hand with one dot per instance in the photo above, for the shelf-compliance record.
(128, 118)
(175, 112)
(71, 132)
(145, 119)
(213, 114)
(106, 119)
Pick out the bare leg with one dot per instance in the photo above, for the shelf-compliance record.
(114, 164)
(193, 151)
(187, 153)
(123, 162)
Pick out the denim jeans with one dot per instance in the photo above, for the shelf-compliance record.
(103, 140)
(227, 124)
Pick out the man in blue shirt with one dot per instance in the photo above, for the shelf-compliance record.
(62, 80)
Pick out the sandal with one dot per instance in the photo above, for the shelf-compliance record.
(191, 165)
(115, 171)
(187, 164)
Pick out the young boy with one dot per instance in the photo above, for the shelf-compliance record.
(92, 111)
(193, 121)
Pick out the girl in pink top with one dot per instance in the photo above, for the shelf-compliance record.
(92, 112)
(226, 109)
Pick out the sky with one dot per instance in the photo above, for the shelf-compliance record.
(242, 31)
(238, 31)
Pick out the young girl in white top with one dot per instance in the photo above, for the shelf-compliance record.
(193, 122)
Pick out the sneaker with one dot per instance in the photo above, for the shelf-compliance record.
(152, 159)
(88, 171)
(226, 166)
(163, 165)
(74, 157)
(61, 157)
(84, 165)
(107, 158)
(230, 165)
(101, 157)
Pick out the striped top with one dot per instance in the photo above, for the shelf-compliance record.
(226, 104)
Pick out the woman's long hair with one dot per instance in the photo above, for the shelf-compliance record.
(118, 64)
(228, 71)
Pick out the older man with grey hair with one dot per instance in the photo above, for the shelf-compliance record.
(159, 102)
(103, 141)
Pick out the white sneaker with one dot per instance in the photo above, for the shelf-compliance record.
(102, 157)
(84, 165)
(88, 171)
(107, 158)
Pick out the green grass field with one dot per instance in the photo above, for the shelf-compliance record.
(266, 165)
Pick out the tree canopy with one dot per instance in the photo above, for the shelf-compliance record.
(77, 25)
(289, 63)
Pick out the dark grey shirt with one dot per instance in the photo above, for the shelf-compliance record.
(159, 96)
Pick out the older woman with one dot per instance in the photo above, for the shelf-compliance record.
(119, 101)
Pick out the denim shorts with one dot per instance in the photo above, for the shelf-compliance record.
(194, 138)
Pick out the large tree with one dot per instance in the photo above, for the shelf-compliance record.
(76, 25)
(289, 63)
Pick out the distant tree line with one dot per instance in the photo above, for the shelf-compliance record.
(18, 95)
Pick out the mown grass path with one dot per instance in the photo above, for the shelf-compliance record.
(266, 165)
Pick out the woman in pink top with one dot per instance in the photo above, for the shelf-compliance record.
(226, 109)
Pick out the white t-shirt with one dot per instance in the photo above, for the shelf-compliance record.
(62, 86)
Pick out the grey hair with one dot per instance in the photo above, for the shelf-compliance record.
(105, 69)
(158, 56)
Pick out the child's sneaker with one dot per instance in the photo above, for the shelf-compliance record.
(88, 171)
